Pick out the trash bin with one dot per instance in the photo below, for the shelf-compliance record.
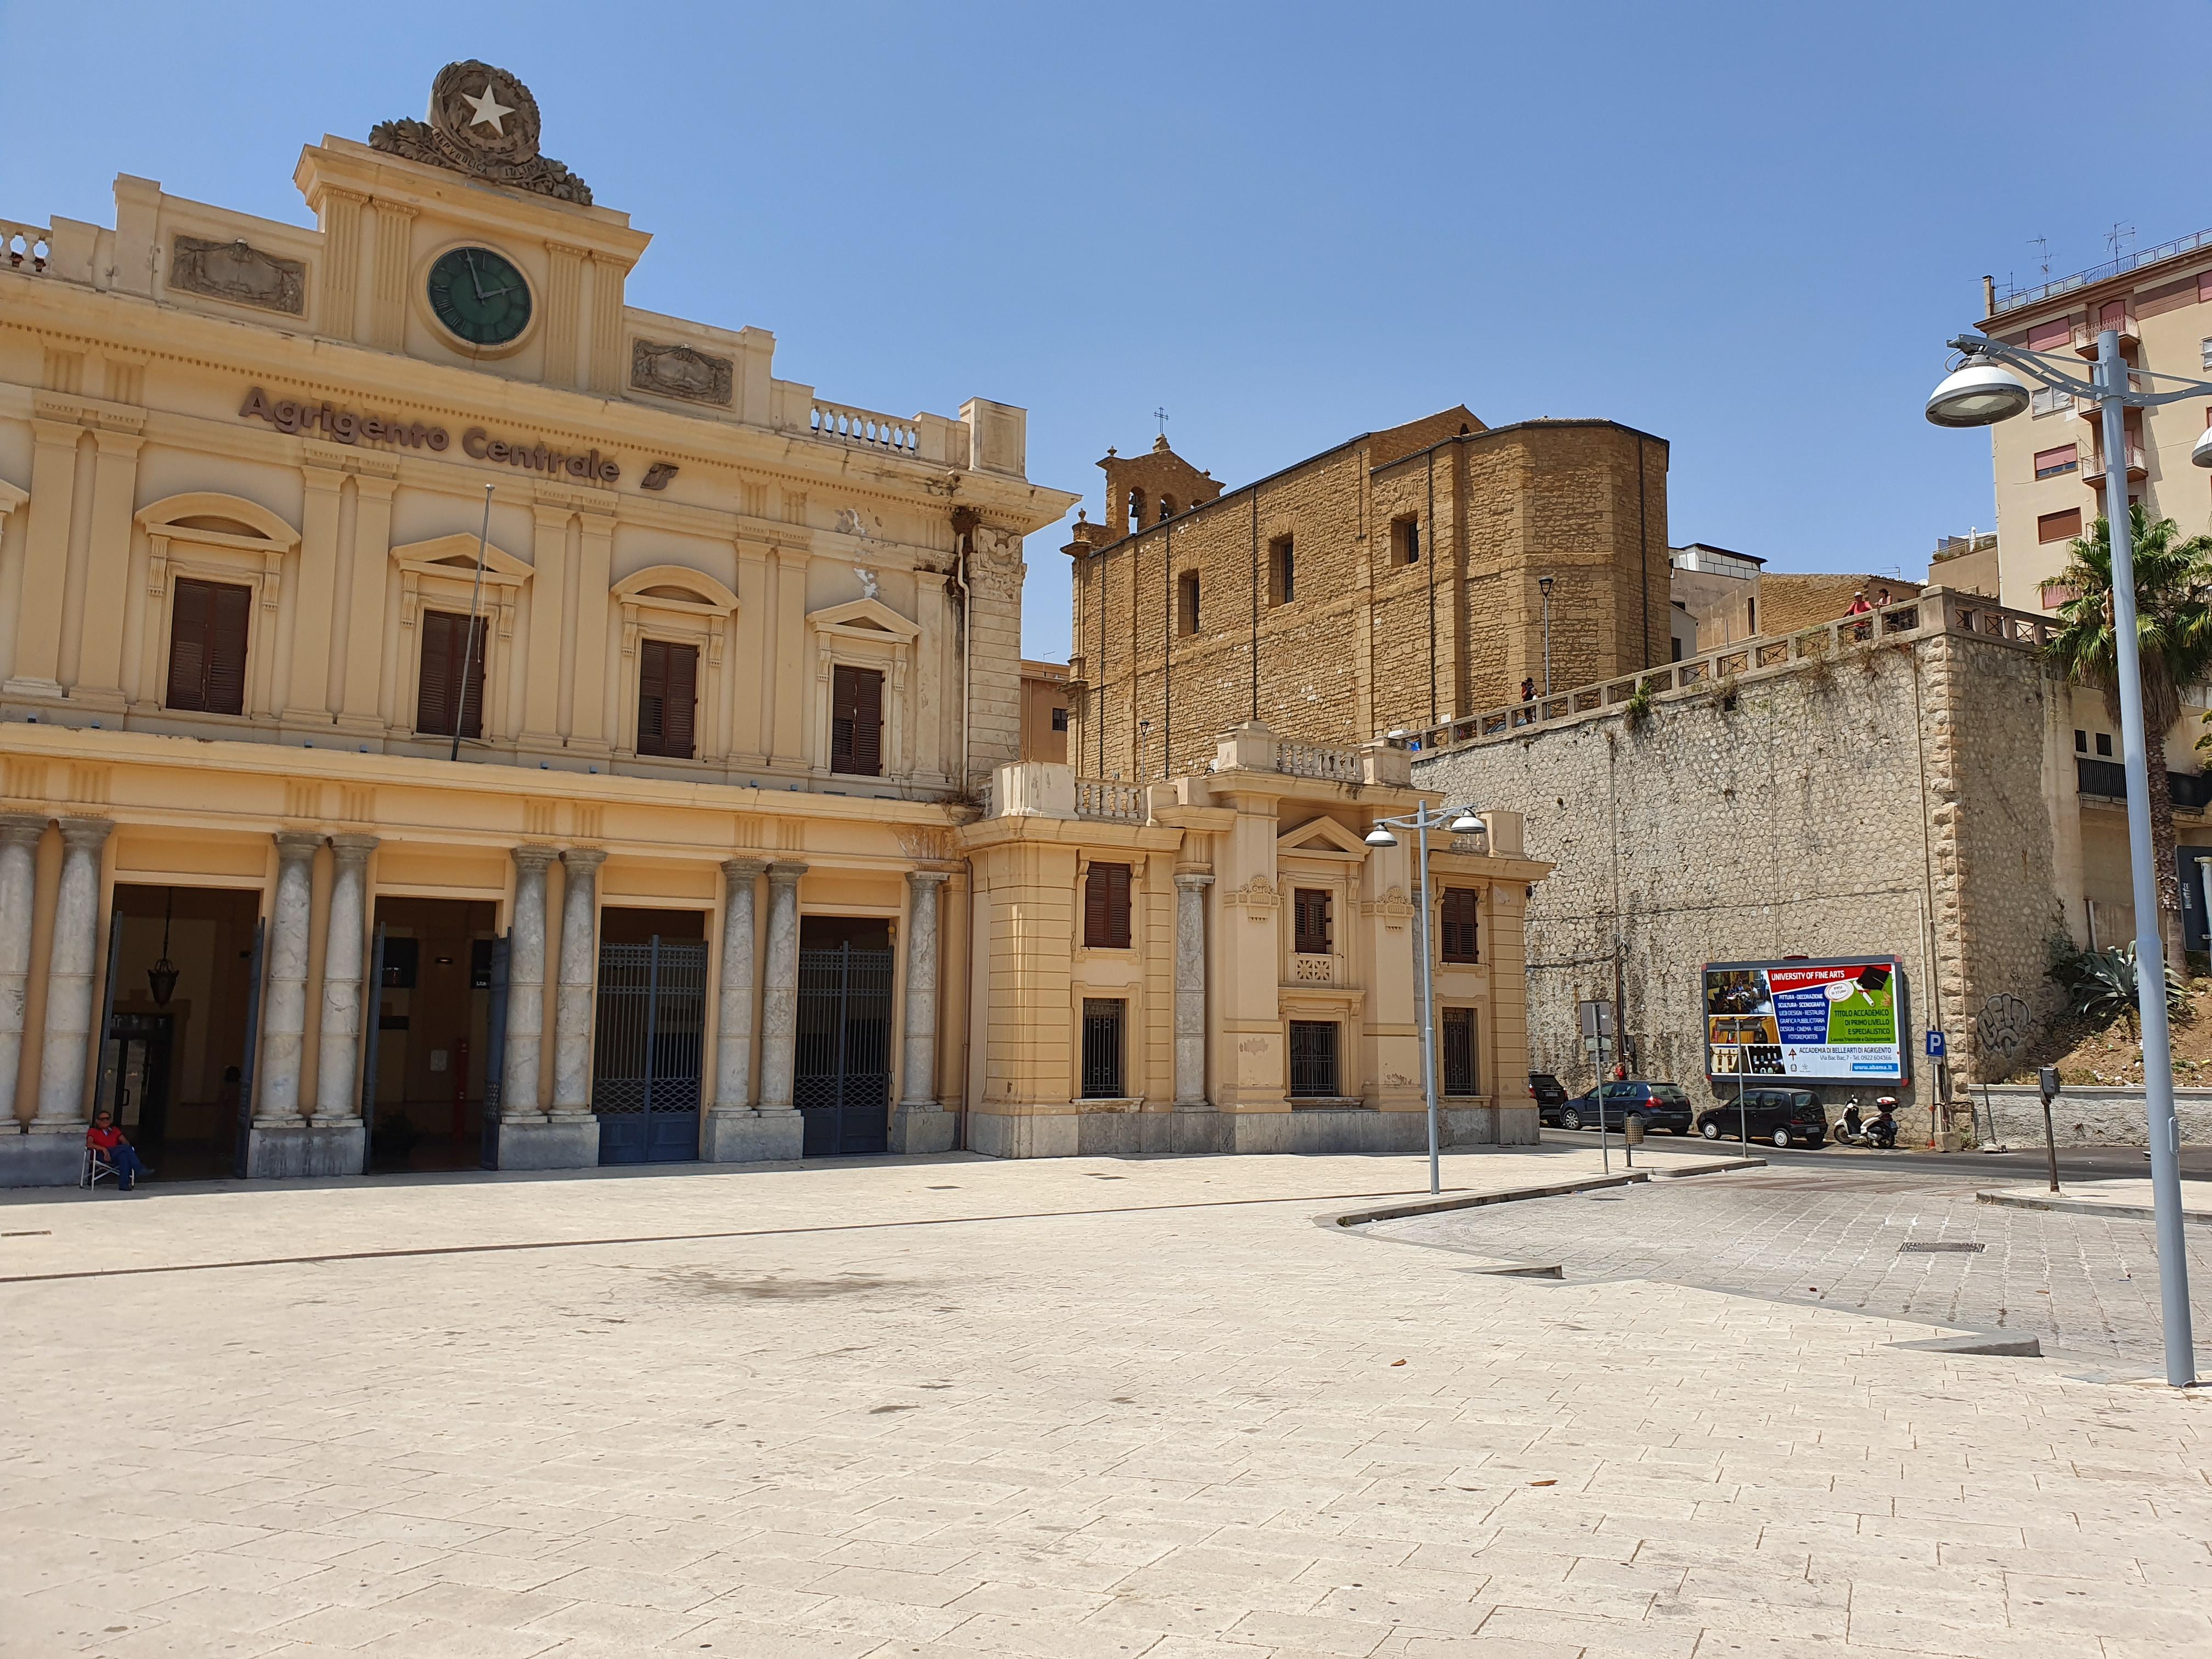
(1632, 1130)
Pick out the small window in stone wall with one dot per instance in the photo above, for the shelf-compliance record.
(1405, 539)
(1282, 571)
(1059, 719)
(1187, 603)
(2104, 744)
(2081, 742)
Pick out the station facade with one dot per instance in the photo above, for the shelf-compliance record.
(449, 715)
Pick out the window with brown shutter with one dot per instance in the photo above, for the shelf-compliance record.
(1456, 924)
(1310, 921)
(2059, 526)
(1106, 907)
(449, 652)
(856, 721)
(207, 646)
(667, 698)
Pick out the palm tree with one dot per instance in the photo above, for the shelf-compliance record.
(2173, 642)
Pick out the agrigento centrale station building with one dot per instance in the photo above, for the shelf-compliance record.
(448, 716)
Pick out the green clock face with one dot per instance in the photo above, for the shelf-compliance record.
(480, 296)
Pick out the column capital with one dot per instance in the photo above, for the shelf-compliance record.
(21, 829)
(353, 850)
(535, 858)
(290, 843)
(1191, 881)
(784, 873)
(927, 878)
(743, 869)
(584, 859)
(87, 834)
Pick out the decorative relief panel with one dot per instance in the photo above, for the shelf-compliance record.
(1314, 970)
(679, 371)
(239, 272)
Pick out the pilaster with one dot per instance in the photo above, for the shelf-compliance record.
(44, 578)
(564, 288)
(391, 256)
(362, 707)
(304, 696)
(98, 682)
(337, 301)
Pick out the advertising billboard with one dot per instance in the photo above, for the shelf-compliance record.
(1841, 1020)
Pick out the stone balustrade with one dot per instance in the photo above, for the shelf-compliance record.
(1937, 611)
(26, 248)
(1311, 759)
(1108, 799)
(864, 426)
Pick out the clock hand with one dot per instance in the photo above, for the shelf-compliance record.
(475, 281)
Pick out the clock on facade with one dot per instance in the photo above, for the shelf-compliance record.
(479, 295)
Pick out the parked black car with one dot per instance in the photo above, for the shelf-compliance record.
(1544, 1089)
(1660, 1105)
(1784, 1116)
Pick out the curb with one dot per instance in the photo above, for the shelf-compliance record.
(2085, 1207)
(1514, 1194)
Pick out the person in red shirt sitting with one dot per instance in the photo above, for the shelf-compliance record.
(106, 1138)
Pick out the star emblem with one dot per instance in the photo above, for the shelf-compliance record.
(489, 111)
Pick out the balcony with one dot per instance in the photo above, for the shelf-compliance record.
(2084, 335)
(2192, 791)
(2093, 470)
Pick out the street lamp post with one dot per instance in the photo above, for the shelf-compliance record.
(1462, 821)
(1544, 586)
(1981, 393)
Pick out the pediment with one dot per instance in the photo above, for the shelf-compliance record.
(864, 619)
(1322, 836)
(676, 587)
(455, 557)
(210, 515)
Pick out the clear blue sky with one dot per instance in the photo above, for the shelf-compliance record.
(1747, 228)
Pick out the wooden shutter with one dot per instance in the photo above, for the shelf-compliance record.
(652, 695)
(1106, 907)
(856, 721)
(2057, 332)
(1458, 925)
(450, 644)
(680, 686)
(2059, 526)
(208, 627)
(1310, 921)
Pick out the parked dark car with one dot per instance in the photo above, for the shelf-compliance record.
(1784, 1116)
(1660, 1105)
(1544, 1089)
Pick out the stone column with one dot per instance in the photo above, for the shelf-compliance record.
(917, 1125)
(1190, 1002)
(64, 1048)
(336, 1097)
(526, 990)
(284, 991)
(779, 988)
(736, 1131)
(580, 977)
(733, 1022)
(19, 875)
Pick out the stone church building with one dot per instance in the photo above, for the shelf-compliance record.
(1396, 580)
(450, 715)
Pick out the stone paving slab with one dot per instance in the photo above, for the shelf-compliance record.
(2127, 1198)
(1191, 1432)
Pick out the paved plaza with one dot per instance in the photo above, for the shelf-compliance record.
(1075, 1407)
(1908, 1245)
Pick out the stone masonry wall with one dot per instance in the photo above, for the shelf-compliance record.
(1370, 640)
(1896, 800)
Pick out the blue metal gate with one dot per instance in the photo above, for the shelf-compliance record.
(649, 1049)
(842, 1079)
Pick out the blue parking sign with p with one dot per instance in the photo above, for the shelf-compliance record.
(1935, 1045)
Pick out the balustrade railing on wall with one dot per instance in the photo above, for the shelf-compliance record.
(1308, 760)
(24, 247)
(845, 424)
(1934, 612)
(1105, 797)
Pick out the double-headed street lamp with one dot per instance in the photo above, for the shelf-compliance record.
(1982, 393)
(1460, 821)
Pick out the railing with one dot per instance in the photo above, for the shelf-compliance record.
(1932, 612)
(2150, 256)
(1105, 797)
(845, 424)
(25, 247)
(2093, 470)
(2190, 791)
(1308, 760)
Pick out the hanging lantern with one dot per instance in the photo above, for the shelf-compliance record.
(161, 977)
